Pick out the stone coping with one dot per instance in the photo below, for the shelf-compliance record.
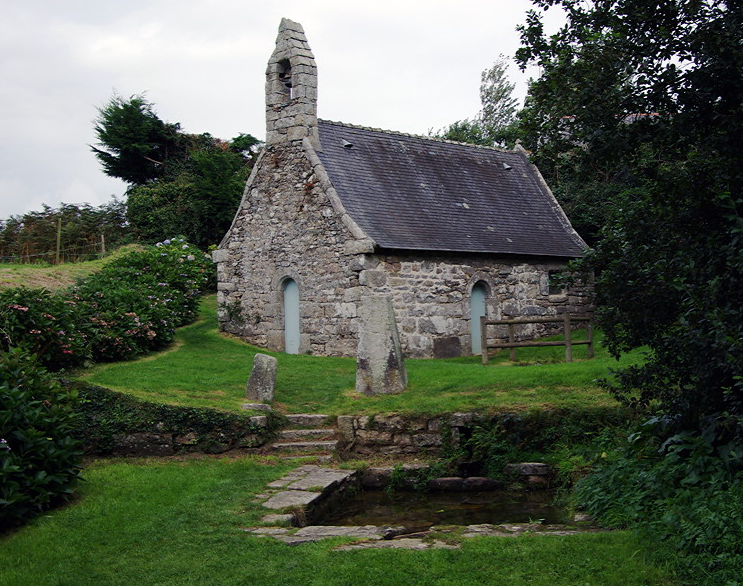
(393, 537)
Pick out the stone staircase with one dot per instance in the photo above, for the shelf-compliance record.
(307, 435)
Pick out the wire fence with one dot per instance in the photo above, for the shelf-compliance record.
(67, 254)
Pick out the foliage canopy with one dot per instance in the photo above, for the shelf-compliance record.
(641, 102)
(134, 143)
(180, 183)
(495, 123)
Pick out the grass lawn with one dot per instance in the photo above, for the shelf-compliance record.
(206, 369)
(169, 522)
(46, 276)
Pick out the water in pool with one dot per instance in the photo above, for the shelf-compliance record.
(418, 511)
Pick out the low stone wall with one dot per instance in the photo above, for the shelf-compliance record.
(113, 423)
(394, 434)
(170, 444)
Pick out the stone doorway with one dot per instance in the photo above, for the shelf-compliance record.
(478, 309)
(291, 317)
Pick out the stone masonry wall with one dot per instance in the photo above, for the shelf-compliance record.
(432, 293)
(292, 225)
(287, 228)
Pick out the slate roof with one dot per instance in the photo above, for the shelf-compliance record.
(418, 193)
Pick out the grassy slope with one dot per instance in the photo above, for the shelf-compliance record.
(53, 277)
(204, 368)
(178, 523)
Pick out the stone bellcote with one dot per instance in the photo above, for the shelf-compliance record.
(291, 88)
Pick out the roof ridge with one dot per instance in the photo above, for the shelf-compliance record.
(424, 137)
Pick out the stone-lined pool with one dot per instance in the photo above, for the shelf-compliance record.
(419, 511)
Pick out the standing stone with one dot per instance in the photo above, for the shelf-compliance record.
(262, 381)
(380, 366)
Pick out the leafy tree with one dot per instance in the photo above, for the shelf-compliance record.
(200, 196)
(135, 143)
(499, 107)
(180, 183)
(642, 100)
(495, 123)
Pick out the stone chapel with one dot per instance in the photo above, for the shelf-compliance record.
(333, 213)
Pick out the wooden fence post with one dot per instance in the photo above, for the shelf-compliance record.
(568, 339)
(483, 339)
(59, 237)
(511, 340)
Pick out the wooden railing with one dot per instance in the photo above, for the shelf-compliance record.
(568, 342)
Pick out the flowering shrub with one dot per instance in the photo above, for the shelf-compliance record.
(49, 325)
(130, 307)
(137, 300)
(39, 458)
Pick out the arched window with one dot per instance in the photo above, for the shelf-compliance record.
(478, 309)
(291, 317)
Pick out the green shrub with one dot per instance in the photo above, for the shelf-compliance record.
(685, 493)
(137, 300)
(496, 440)
(130, 307)
(39, 458)
(47, 324)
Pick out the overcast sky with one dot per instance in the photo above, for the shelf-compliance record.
(404, 65)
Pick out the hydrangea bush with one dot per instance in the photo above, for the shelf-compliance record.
(39, 457)
(130, 307)
(49, 325)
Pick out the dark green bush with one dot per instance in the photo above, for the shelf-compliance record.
(39, 458)
(496, 440)
(685, 493)
(137, 300)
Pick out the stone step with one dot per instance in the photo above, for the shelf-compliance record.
(308, 420)
(310, 446)
(319, 458)
(308, 434)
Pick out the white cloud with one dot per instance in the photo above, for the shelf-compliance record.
(397, 64)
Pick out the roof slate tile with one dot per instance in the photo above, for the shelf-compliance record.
(420, 193)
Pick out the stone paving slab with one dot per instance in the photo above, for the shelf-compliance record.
(256, 407)
(402, 543)
(304, 486)
(307, 434)
(293, 475)
(325, 531)
(278, 519)
(307, 419)
(323, 477)
(291, 498)
(307, 445)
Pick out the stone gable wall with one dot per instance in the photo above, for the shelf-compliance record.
(292, 224)
(287, 228)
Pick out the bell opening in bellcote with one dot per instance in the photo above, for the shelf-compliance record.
(285, 76)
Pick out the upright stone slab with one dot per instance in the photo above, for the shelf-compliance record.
(380, 366)
(262, 381)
